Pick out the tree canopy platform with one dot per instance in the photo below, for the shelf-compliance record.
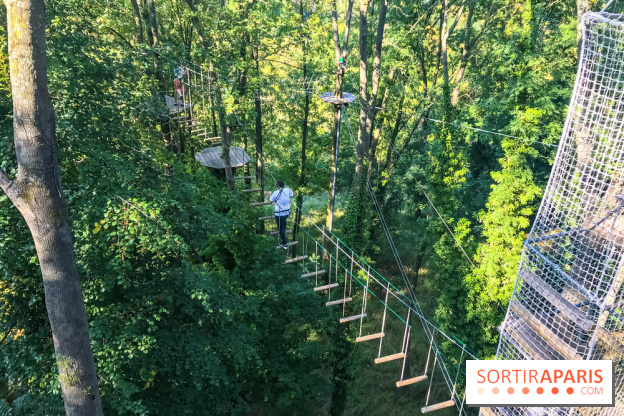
(175, 107)
(211, 157)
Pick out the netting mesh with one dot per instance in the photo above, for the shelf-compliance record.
(568, 300)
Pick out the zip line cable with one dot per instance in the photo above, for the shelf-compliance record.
(461, 126)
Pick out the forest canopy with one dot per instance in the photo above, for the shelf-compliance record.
(460, 106)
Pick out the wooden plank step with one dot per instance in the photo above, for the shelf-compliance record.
(438, 406)
(257, 204)
(331, 286)
(277, 232)
(371, 336)
(411, 381)
(266, 218)
(198, 130)
(352, 318)
(295, 259)
(554, 297)
(338, 302)
(243, 177)
(252, 190)
(292, 243)
(546, 333)
(212, 139)
(320, 272)
(387, 358)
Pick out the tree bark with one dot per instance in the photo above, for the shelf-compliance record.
(153, 22)
(379, 127)
(364, 123)
(341, 52)
(464, 57)
(137, 21)
(226, 141)
(446, 34)
(304, 137)
(37, 193)
(259, 164)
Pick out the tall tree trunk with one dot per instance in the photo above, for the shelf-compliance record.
(446, 34)
(138, 21)
(365, 119)
(37, 193)
(226, 141)
(341, 53)
(259, 164)
(465, 55)
(214, 76)
(153, 22)
(379, 127)
(304, 135)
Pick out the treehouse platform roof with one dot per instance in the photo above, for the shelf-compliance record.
(211, 157)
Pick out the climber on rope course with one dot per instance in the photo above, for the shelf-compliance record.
(281, 198)
(179, 72)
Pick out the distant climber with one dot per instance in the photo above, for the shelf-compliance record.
(281, 198)
(179, 72)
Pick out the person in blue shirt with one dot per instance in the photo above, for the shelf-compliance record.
(281, 198)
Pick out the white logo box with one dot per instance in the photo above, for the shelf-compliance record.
(518, 383)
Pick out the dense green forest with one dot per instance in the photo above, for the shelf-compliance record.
(191, 311)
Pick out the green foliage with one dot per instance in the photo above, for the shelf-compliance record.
(190, 310)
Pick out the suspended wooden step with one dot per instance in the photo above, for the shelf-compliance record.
(277, 232)
(266, 218)
(411, 381)
(352, 318)
(371, 336)
(438, 406)
(191, 125)
(257, 204)
(330, 286)
(338, 302)
(292, 243)
(198, 130)
(252, 190)
(320, 272)
(211, 139)
(243, 177)
(295, 259)
(387, 358)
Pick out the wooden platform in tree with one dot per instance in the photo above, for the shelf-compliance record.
(211, 157)
(175, 107)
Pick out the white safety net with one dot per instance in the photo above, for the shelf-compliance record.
(568, 302)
